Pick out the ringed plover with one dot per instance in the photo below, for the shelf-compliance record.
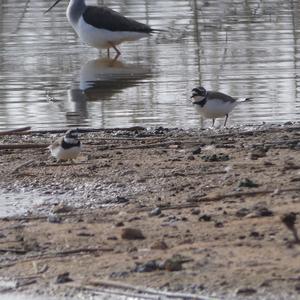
(214, 105)
(67, 147)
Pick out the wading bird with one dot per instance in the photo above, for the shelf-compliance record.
(102, 27)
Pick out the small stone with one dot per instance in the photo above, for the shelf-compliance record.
(263, 212)
(61, 208)
(215, 157)
(155, 212)
(248, 183)
(132, 234)
(297, 287)
(172, 265)
(246, 291)
(191, 157)
(53, 218)
(197, 150)
(219, 224)
(242, 212)
(119, 224)
(195, 211)
(159, 245)
(258, 153)
(63, 278)
(205, 218)
(149, 266)
(121, 200)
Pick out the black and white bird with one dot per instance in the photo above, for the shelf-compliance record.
(213, 105)
(102, 27)
(67, 147)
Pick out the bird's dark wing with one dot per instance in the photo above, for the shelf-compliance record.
(106, 18)
(217, 95)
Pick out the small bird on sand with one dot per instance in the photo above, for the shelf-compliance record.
(67, 147)
(214, 105)
(102, 27)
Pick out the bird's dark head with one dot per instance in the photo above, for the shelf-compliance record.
(199, 93)
(71, 136)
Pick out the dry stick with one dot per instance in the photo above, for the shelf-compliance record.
(13, 131)
(196, 203)
(50, 255)
(22, 146)
(140, 289)
(25, 164)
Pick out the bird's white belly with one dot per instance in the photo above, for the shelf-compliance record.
(102, 38)
(215, 108)
(65, 154)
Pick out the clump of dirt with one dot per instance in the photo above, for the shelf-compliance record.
(204, 222)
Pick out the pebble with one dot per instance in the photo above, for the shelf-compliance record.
(155, 212)
(63, 278)
(205, 218)
(246, 291)
(132, 234)
(53, 218)
(242, 212)
(248, 183)
(215, 157)
(149, 266)
(197, 150)
(159, 245)
(172, 264)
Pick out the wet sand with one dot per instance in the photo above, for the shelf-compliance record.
(190, 211)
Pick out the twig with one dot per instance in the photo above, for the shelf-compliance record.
(13, 131)
(25, 164)
(142, 290)
(22, 146)
(247, 193)
(49, 255)
(195, 203)
(11, 250)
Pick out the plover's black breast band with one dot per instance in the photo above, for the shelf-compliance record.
(201, 103)
(106, 18)
(69, 145)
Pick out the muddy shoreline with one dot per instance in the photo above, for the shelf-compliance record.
(190, 211)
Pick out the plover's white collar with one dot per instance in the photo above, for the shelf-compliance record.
(214, 105)
(67, 147)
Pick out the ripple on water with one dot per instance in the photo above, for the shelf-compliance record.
(249, 49)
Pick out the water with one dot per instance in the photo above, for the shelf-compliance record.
(243, 48)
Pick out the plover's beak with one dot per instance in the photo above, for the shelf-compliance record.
(192, 97)
(55, 3)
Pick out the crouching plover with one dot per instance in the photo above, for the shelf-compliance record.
(214, 105)
(67, 147)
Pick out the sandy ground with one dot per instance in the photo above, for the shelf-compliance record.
(190, 211)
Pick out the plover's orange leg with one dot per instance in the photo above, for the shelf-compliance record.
(116, 49)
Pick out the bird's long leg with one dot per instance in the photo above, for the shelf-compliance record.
(108, 53)
(225, 120)
(213, 124)
(116, 49)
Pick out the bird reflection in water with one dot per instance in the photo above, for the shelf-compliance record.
(100, 80)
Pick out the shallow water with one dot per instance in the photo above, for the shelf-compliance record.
(48, 79)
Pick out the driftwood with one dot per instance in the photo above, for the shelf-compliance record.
(200, 200)
(42, 256)
(22, 146)
(25, 164)
(140, 292)
(14, 131)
